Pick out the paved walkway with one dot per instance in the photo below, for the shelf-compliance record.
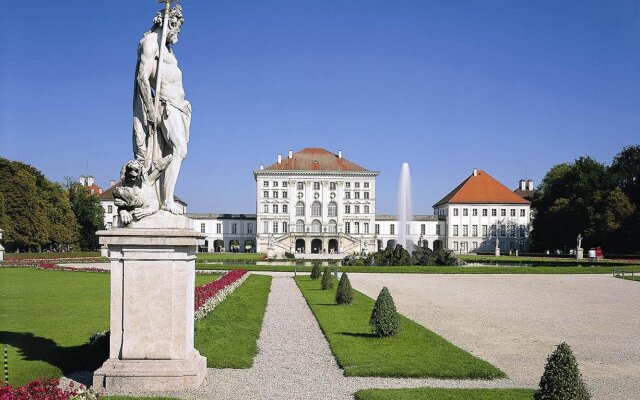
(515, 321)
(294, 360)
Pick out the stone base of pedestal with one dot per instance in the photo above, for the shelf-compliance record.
(151, 345)
(497, 252)
(579, 254)
(1, 253)
(126, 376)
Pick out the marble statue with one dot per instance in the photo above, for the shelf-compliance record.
(161, 121)
(579, 242)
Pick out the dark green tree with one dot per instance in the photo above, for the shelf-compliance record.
(561, 379)
(327, 281)
(89, 214)
(625, 172)
(315, 271)
(385, 320)
(344, 294)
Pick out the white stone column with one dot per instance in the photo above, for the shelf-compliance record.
(152, 307)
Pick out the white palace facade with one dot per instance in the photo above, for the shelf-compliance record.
(314, 203)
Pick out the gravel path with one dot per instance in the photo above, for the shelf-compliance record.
(294, 360)
(515, 321)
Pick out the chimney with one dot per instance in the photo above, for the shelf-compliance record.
(529, 184)
(90, 180)
(475, 172)
(261, 166)
(81, 180)
(339, 153)
(279, 158)
(290, 153)
(523, 184)
(112, 183)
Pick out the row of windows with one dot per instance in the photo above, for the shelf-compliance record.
(503, 230)
(275, 193)
(356, 228)
(392, 229)
(234, 228)
(466, 246)
(485, 211)
(316, 185)
(275, 208)
(356, 209)
(356, 195)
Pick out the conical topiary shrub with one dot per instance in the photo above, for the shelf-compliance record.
(385, 320)
(561, 379)
(327, 282)
(315, 271)
(344, 295)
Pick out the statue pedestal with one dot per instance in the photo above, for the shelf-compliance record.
(1, 253)
(579, 254)
(152, 300)
(497, 252)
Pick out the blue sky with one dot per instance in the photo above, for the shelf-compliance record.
(506, 86)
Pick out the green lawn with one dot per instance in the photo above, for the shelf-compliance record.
(201, 279)
(46, 318)
(428, 270)
(228, 335)
(230, 256)
(416, 352)
(445, 394)
(542, 261)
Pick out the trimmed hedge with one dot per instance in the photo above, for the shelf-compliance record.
(344, 294)
(385, 320)
(561, 379)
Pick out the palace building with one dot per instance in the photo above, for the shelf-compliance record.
(315, 203)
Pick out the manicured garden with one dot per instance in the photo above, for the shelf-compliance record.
(72, 254)
(228, 336)
(414, 352)
(230, 256)
(445, 394)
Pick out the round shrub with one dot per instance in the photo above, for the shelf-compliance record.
(315, 271)
(385, 320)
(344, 295)
(561, 379)
(327, 282)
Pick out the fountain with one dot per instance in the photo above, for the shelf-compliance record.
(405, 213)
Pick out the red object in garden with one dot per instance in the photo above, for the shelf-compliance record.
(204, 292)
(599, 253)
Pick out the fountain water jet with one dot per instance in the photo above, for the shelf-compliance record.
(405, 213)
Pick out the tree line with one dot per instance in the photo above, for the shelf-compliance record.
(600, 202)
(39, 215)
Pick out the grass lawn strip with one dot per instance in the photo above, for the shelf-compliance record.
(426, 270)
(415, 353)
(445, 394)
(228, 335)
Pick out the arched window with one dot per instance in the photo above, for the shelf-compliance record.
(316, 226)
(333, 226)
(300, 226)
(333, 209)
(300, 209)
(316, 209)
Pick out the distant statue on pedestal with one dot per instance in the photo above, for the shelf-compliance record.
(579, 242)
(497, 249)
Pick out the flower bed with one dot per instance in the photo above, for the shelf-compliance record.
(207, 297)
(47, 389)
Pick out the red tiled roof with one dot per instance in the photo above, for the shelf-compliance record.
(93, 189)
(314, 159)
(481, 188)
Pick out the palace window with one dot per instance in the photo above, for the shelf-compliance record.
(493, 212)
(474, 245)
(274, 184)
(455, 246)
(455, 212)
(503, 212)
(316, 209)
(347, 227)
(285, 227)
(316, 185)
(484, 230)
(356, 209)
(512, 230)
(285, 195)
(265, 208)
(474, 212)
(522, 231)
(265, 227)
(347, 209)
(465, 212)
(423, 229)
(484, 212)
(275, 226)
(513, 212)
(465, 230)
(333, 226)
(202, 228)
(300, 226)
(455, 230)
(474, 230)
(285, 184)
(333, 209)
(357, 185)
(265, 183)
(366, 228)
(275, 194)
(316, 226)
(300, 209)
(234, 228)
(366, 185)
(377, 229)
(332, 186)
(356, 195)
(366, 195)
(219, 228)
(366, 209)
(275, 208)
(493, 230)
(110, 209)
(356, 227)
(285, 208)
(265, 194)
(522, 212)
(249, 228)
(503, 230)
(392, 229)
(347, 185)
(347, 195)
(300, 185)
(438, 229)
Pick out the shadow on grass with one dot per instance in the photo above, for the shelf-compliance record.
(67, 359)
(362, 335)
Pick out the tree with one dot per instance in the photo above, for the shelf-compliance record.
(315, 271)
(89, 214)
(385, 320)
(344, 294)
(561, 379)
(327, 281)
